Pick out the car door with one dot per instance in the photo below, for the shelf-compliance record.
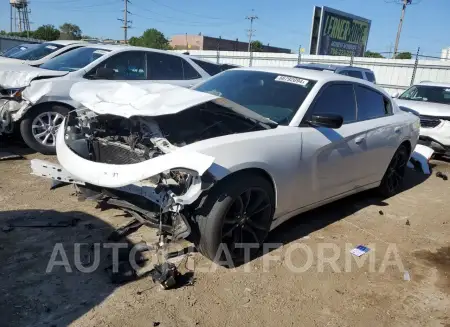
(332, 159)
(383, 135)
(170, 69)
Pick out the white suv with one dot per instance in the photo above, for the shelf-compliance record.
(431, 102)
(352, 71)
(37, 99)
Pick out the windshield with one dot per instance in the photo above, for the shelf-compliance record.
(9, 52)
(37, 52)
(75, 59)
(427, 93)
(274, 96)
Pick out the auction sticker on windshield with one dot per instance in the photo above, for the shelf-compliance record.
(293, 80)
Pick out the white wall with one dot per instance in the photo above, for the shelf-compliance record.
(391, 74)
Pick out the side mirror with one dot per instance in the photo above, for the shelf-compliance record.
(326, 120)
(104, 73)
(396, 95)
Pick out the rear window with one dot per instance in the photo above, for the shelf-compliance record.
(37, 52)
(370, 77)
(353, 73)
(210, 68)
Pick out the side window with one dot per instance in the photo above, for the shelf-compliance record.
(164, 67)
(337, 99)
(67, 50)
(370, 77)
(210, 68)
(189, 71)
(343, 72)
(128, 65)
(371, 104)
(355, 73)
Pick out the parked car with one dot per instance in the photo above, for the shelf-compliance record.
(36, 99)
(352, 71)
(43, 52)
(235, 156)
(7, 53)
(431, 101)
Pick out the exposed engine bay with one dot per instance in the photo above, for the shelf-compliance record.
(115, 140)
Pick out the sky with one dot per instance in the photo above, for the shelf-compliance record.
(283, 23)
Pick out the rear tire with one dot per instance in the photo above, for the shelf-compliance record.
(392, 181)
(39, 127)
(238, 210)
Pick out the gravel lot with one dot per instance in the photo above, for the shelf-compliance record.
(414, 224)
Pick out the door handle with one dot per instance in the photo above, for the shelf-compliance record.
(397, 130)
(359, 140)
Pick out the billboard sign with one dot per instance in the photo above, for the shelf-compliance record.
(337, 33)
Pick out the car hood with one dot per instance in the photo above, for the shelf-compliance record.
(19, 75)
(425, 108)
(5, 60)
(150, 99)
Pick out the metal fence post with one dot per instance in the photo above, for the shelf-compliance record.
(251, 58)
(299, 59)
(352, 58)
(416, 63)
(218, 50)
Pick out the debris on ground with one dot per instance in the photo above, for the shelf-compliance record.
(441, 175)
(407, 222)
(38, 224)
(9, 156)
(421, 155)
(381, 212)
(156, 323)
(165, 274)
(406, 276)
(359, 250)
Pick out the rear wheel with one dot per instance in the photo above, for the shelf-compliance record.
(392, 181)
(39, 127)
(235, 218)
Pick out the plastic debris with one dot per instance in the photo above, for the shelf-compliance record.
(359, 250)
(407, 222)
(406, 276)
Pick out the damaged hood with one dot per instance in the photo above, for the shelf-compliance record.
(19, 75)
(5, 60)
(425, 108)
(151, 99)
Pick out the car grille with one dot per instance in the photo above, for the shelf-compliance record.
(429, 122)
(115, 154)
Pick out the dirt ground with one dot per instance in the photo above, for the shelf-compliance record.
(415, 224)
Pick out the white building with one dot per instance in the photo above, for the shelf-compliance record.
(445, 55)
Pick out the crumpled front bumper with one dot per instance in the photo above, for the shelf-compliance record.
(437, 138)
(131, 178)
(8, 108)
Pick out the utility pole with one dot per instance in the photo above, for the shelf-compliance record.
(400, 24)
(125, 21)
(252, 17)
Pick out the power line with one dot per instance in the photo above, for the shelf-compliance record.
(125, 20)
(251, 31)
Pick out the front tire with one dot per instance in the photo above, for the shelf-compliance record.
(392, 181)
(235, 218)
(39, 127)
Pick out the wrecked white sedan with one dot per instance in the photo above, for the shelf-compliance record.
(235, 157)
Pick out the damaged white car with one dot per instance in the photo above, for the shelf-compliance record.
(431, 101)
(35, 100)
(234, 157)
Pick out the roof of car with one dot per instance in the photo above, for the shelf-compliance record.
(331, 67)
(66, 42)
(427, 83)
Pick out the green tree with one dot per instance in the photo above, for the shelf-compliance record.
(47, 32)
(371, 54)
(403, 55)
(257, 46)
(70, 32)
(152, 38)
(2, 32)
